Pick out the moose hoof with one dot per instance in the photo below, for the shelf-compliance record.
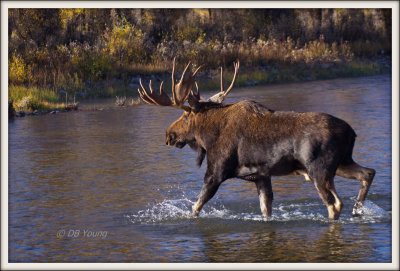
(333, 213)
(357, 212)
(195, 215)
(357, 209)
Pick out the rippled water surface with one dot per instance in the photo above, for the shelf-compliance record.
(102, 186)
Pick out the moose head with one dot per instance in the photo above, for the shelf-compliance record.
(182, 132)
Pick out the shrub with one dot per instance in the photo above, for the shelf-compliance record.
(125, 42)
(18, 71)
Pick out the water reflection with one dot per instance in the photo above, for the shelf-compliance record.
(87, 170)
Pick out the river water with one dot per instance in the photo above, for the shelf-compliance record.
(102, 186)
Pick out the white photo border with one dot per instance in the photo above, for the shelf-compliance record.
(394, 5)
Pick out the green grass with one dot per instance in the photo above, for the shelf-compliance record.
(29, 99)
(33, 98)
(19, 92)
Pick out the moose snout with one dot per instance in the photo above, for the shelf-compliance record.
(168, 142)
(173, 140)
(170, 139)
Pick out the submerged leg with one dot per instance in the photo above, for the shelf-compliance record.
(362, 174)
(264, 189)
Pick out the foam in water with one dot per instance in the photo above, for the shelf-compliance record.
(170, 210)
(173, 209)
(371, 213)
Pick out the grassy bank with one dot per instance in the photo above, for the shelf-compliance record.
(26, 100)
(33, 99)
(286, 73)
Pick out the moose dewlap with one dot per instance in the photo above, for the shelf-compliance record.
(248, 141)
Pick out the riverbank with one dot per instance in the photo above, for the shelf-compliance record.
(35, 101)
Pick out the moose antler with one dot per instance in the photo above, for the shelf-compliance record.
(180, 90)
(219, 97)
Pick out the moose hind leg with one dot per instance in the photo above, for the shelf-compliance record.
(264, 189)
(326, 190)
(364, 175)
(338, 203)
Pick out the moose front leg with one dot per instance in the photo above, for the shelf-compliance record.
(264, 189)
(210, 187)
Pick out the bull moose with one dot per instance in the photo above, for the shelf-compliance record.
(248, 141)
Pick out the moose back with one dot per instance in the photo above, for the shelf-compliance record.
(248, 141)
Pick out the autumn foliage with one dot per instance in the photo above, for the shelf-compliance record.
(74, 49)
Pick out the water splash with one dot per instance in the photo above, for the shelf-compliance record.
(169, 210)
(372, 213)
(180, 209)
(166, 210)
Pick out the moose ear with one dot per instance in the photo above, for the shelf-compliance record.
(194, 102)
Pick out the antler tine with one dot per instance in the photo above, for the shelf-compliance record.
(183, 88)
(140, 82)
(144, 98)
(161, 87)
(184, 72)
(144, 93)
(197, 94)
(220, 96)
(152, 98)
(173, 79)
(192, 93)
(197, 70)
(222, 80)
(151, 89)
(237, 64)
